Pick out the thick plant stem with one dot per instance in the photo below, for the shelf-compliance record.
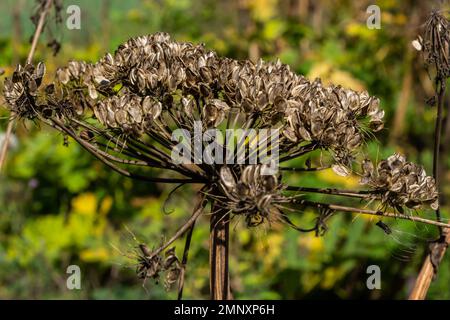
(427, 272)
(218, 254)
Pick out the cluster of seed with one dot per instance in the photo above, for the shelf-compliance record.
(434, 43)
(150, 76)
(401, 183)
(252, 194)
(168, 75)
(150, 266)
(21, 89)
(331, 116)
(129, 112)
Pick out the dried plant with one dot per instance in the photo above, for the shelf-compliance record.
(124, 109)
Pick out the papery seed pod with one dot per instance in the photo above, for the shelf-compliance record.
(63, 75)
(39, 73)
(226, 177)
(340, 170)
(402, 183)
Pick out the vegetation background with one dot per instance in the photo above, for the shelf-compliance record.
(59, 206)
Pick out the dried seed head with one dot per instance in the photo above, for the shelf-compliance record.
(151, 265)
(401, 183)
(433, 43)
(252, 195)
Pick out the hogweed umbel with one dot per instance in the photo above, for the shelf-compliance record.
(125, 108)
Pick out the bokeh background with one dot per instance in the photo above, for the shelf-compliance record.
(59, 206)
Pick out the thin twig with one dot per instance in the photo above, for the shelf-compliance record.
(293, 169)
(184, 260)
(364, 194)
(37, 33)
(370, 212)
(38, 30)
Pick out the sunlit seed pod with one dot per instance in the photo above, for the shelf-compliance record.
(74, 69)
(290, 134)
(147, 104)
(376, 125)
(134, 110)
(63, 75)
(121, 117)
(397, 187)
(99, 77)
(39, 73)
(352, 100)
(109, 59)
(110, 117)
(412, 188)
(227, 178)
(205, 74)
(100, 113)
(340, 170)
(248, 174)
(264, 202)
(133, 76)
(188, 105)
(212, 115)
(354, 141)
(367, 167)
(156, 110)
(141, 80)
(396, 161)
(304, 134)
(152, 81)
(262, 100)
(92, 91)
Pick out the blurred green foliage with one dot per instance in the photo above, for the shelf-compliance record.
(58, 206)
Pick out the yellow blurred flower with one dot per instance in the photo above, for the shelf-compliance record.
(312, 243)
(94, 255)
(85, 204)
